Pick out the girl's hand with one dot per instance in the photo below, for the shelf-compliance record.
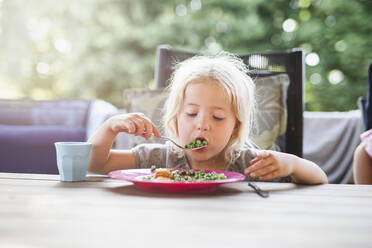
(270, 164)
(133, 123)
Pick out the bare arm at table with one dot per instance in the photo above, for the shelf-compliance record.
(103, 158)
(271, 164)
(307, 172)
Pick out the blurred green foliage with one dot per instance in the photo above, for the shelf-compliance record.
(96, 48)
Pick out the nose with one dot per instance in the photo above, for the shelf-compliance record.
(203, 124)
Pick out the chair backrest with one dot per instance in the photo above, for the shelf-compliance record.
(361, 102)
(365, 103)
(261, 65)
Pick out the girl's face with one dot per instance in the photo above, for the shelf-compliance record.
(206, 113)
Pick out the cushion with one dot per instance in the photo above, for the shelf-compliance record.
(147, 101)
(271, 117)
(30, 149)
(71, 112)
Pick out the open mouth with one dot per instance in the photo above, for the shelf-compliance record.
(201, 139)
(197, 143)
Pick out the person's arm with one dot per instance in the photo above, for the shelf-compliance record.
(270, 164)
(362, 165)
(103, 159)
(307, 172)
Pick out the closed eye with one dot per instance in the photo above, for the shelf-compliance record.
(191, 114)
(218, 118)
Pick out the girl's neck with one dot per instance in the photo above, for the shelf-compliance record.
(212, 164)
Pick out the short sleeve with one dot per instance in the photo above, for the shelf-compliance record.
(150, 154)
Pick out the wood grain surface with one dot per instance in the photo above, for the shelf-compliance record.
(40, 211)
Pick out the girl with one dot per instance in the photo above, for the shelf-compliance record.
(210, 98)
(362, 164)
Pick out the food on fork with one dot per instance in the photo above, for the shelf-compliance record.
(199, 142)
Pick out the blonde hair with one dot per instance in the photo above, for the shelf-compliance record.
(231, 73)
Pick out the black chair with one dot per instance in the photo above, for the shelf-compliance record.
(365, 103)
(265, 64)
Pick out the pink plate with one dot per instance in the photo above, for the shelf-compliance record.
(135, 176)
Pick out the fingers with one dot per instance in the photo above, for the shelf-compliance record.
(147, 132)
(270, 176)
(253, 161)
(140, 126)
(137, 124)
(150, 128)
(259, 154)
(262, 166)
(156, 131)
(261, 160)
(264, 171)
(268, 165)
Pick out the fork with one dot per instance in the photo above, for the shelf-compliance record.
(258, 190)
(175, 143)
(182, 147)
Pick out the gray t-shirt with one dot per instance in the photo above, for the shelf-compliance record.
(162, 156)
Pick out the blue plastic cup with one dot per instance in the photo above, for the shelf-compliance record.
(73, 160)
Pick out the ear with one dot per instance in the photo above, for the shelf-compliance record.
(176, 125)
(236, 128)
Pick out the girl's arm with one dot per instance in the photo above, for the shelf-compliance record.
(362, 165)
(103, 159)
(270, 164)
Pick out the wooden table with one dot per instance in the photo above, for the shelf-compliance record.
(40, 211)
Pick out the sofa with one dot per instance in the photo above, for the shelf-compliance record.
(29, 128)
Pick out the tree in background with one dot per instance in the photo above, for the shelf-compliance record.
(96, 48)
